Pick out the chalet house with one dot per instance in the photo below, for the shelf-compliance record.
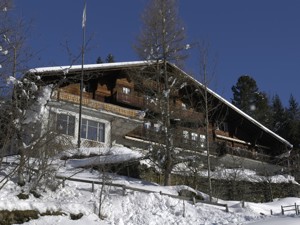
(120, 105)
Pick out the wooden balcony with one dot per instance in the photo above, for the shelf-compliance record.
(130, 99)
(177, 112)
(186, 114)
(88, 102)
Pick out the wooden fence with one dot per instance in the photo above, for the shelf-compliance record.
(288, 208)
(124, 188)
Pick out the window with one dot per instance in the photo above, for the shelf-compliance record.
(126, 90)
(65, 124)
(185, 135)
(93, 130)
(194, 136)
(147, 125)
(202, 140)
(157, 127)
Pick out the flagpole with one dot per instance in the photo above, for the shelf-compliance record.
(82, 74)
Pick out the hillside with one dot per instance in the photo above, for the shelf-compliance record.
(134, 207)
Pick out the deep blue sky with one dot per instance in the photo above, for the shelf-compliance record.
(260, 38)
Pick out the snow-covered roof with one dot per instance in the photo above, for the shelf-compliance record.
(69, 68)
(117, 65)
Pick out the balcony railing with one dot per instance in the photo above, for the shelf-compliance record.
(130, 99)
(67, 97)
(143, 102)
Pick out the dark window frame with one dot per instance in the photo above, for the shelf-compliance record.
(65, 124)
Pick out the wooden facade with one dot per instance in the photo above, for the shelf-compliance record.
(112, 89)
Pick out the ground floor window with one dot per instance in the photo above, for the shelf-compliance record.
(65, 124)
(93, 130)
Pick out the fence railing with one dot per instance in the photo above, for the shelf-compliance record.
(64, 96)
(288, 208)
(124, 188)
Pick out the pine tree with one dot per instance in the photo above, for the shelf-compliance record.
(293, 110)
(250, 100)
(262, 112)
(279, 116)
(99, 60)
(110, 58)
(292, 128)
(245, 94)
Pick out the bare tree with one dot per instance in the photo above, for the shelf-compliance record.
(22, 134)
(30, 134)
(212, 110)
(161, 41)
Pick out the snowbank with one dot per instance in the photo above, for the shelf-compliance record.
(105, 155)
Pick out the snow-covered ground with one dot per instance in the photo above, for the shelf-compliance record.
(135, 207)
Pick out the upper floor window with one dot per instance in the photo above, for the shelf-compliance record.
(126, 90)
(93, 130)
(202, 140)
(157, 127)
(65, 124)
(194, 136)
(185, 134)
(147, 125)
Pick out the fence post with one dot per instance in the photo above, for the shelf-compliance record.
(124, 190)
(271, 212)
(296, 209)
(63, 183)
(194, 200)
(93, 186)
(243, 204)
(282, 210)
(227, 210)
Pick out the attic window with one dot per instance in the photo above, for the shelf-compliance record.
(126, 90)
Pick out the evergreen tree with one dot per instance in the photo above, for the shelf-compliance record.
(292, 128)
(279, 116)
(262, 113)
(99, 60)
(245, 94)
(293, 110)
(110, 58)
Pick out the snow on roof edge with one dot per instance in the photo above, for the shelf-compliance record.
(86, 66)
(237, 109)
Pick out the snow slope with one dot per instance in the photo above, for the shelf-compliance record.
(139, 208)
(134, 207)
